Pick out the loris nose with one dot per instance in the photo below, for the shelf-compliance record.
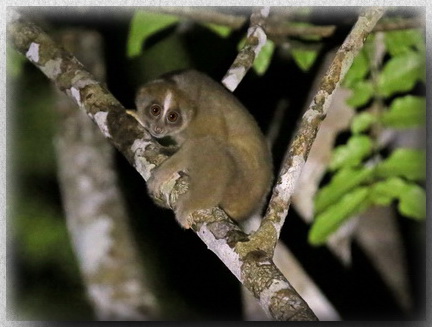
(158, 129)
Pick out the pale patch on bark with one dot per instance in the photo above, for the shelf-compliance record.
(53, 68)
(75, 93)
(33, 52)
(101, 120)
(93, 244)
(267, 293)
(259, 33)
(234, 77)
(100, 294)
(311, 115)
(222, 250)
(288, 180)
(107, 309)
(12, 16)
(85, 184)
(132, 287)
(265, 11)
(141, 164)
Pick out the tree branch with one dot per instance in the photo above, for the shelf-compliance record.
(95, 211)
(205, 16)
(399, 24)
(306, 133)
(274, 27)
(244, 257)
(255, 40)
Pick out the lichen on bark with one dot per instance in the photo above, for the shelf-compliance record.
(249, 261)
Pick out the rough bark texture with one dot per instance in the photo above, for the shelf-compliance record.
(213, 226)
(277, 24)
(255, 40)
(96, 215)
(249, 257)
(306, 133)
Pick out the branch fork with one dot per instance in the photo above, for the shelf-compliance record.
(249, 257)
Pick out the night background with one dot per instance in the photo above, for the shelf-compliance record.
(44, 281)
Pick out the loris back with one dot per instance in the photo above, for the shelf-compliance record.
(221, 146)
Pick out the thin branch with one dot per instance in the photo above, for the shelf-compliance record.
(275, 28)
(306, 133)
(400, 24)
(201, 15)
(95, 211)
(292, 30)
(255, 40)
(251, 265)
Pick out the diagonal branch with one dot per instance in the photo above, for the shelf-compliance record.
(202, 15)
(94, 208)
(275, 26)
(255, 40)
(311, 120)
(248, 257)
(251, 265)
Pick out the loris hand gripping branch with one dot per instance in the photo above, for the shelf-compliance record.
(220, 145)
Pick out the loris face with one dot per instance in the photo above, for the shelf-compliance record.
(162, 109)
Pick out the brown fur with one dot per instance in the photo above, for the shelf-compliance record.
(221, 146)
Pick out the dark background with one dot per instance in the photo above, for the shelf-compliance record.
(43, 278)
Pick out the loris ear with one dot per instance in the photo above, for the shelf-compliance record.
(135, 115)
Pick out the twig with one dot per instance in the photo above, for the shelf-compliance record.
(94, 207)
(400, 24)
(291, 30)
(275, 28)
(306, 133)
(203, 15)
(251, 265)
(255, 40)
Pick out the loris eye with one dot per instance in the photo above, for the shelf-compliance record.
(172, 117)
(155, 110)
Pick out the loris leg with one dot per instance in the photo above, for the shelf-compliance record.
(210, 168)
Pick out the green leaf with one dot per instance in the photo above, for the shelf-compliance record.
(358, 70)
(384, 192)
(342, 182)
(42, 236)
(222, 31)
(262, 61)
(351, 154)
(241, 43)
(412, 202)
(408, 163)
(304, 58)
(331, 219)
(404, 112)
(399, 42)
(15, 62)
(143, 25)
(362, 93)
(401, 73)
(362, 122)
(412, 198)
